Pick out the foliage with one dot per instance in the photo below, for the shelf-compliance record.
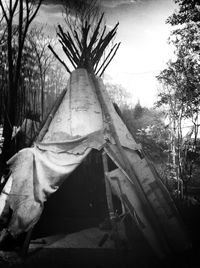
(118, 94)
(138, 111)
(180, 94)
(148, 128)
(147, 125)
(188, 11)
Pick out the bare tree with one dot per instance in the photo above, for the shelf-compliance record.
(18, 15)
(77, 12)
(2, 29)
(39, 43)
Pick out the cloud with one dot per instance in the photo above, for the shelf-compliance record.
(102, 3)
(53, 2)
(117, 3)
(51, 8)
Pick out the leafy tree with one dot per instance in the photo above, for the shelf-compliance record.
(138, 111)
(148, 128)
(181, 92)
(188, 10)
(118, 94)
(147, 125)
(153, 134)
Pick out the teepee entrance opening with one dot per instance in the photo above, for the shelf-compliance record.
(80, 202)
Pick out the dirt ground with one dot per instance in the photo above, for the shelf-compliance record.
(81, 249)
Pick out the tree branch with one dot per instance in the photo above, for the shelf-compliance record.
(58, 58)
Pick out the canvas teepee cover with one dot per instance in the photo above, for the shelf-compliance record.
(85, 121)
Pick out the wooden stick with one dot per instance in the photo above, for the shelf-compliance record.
(58, 58)
(109, 60)
(67, 44)
(110, 202)
(25, 246)
(99, 42)
(95, 34)
(70, 57)
(108, 189)
(78, 41)
(68, 37)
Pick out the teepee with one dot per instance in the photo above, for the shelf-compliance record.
(84, 120)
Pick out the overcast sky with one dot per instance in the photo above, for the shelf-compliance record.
(143, 35)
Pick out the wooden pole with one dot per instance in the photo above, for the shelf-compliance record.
(110, 202)
(108, 188)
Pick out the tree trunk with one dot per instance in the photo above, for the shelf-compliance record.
(9, 121)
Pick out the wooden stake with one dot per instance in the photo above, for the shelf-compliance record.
(110, 203)
(108, 188)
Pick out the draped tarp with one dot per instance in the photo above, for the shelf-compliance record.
(38, 172)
